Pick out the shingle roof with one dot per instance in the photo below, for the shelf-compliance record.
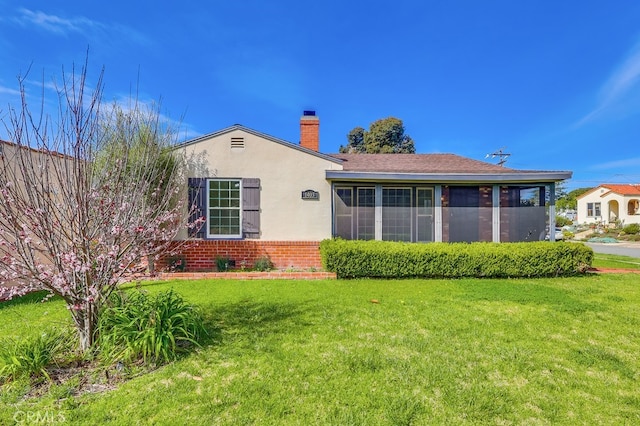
(417, 163)
(623, 189)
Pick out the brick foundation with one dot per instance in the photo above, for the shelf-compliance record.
(201, 255)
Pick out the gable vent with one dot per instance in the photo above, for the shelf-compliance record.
(237, 143)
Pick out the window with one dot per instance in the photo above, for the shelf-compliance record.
(225, 214)
(424, 214)
(344, 213)
(366, 213)
(396, 214)
(230, 207)
(593, 210)
(405, 213)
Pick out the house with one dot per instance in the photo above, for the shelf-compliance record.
(263, 196)
(610, 203)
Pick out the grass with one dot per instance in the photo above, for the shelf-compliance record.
(545, 351)
(601, 260)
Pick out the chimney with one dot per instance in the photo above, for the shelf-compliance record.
(310, 131)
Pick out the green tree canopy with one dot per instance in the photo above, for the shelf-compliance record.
(385, 136)
(568, 201)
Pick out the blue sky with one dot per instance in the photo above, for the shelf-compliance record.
(554, 83)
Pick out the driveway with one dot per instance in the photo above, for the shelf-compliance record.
(623, 248)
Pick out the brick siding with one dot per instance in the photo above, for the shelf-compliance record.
(201, 255)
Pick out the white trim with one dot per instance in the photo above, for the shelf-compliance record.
(437, 214)
(208, 198)
(378, 213)
(495, 213)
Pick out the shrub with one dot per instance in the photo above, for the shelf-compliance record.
(563, 221)
(31, 357)
(263, 264)
(156, 328)
(222, 263)
(632, 228)
(382, 259)
(177, 263)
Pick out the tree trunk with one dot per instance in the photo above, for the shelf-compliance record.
(85, 322)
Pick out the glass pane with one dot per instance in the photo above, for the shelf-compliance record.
(424, 215)
(224, 207)
(344, 213)
(366, 214)
(396, 214)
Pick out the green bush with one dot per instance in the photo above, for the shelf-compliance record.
(156, 328)
(177, 263)
(563, 221)
(222, 263)
(383, 259)
(31, 357)
(632, 228)
(263, 264)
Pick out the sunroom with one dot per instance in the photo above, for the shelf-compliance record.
(490, 203)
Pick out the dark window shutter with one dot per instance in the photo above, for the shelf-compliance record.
(197, 205)
(251, 207)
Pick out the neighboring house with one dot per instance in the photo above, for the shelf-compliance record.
(610, 203)
(263, 196)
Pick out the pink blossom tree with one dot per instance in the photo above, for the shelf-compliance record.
(86, 198)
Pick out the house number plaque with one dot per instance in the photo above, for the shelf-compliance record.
(310, 194)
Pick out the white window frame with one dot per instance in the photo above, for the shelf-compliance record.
(594, 207)
(209, 208)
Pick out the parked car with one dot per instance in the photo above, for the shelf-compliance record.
(559, 235)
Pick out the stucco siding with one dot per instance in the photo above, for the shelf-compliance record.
(284, 172)
(613, 207)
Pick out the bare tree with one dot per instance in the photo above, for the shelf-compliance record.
(86, 199)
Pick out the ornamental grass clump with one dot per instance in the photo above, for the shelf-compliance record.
(156, 329)
(30, 357)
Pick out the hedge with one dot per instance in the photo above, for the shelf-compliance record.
(385, 259)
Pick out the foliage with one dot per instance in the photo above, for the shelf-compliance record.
(355, 140)
(568, 201)
(102, 197)
(384, 259)
(563, 221)
(177, 263)
(632, 228)
(30, 356)
(155, 328)
(222, 263)
(557, 351)
(263, 264)
(385, 136)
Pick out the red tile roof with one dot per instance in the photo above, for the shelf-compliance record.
(417, 163)
(623, 189)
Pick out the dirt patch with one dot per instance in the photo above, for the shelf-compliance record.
(613, 271)
(85, 378)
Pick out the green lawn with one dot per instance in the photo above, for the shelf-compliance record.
(544, 351)
(601, 260)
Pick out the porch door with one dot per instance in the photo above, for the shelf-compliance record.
(464, 210)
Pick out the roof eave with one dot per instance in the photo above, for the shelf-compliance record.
(515, 177)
